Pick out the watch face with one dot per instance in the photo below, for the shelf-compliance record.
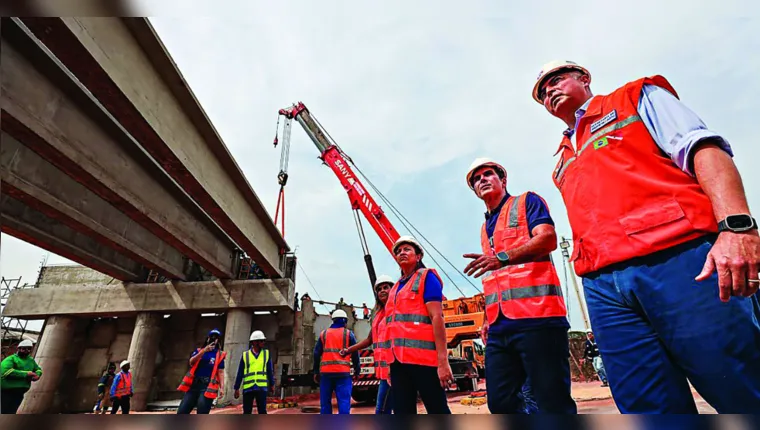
(502, 256)
(739, 221)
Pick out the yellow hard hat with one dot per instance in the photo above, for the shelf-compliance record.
(552, 67)
(482, 162)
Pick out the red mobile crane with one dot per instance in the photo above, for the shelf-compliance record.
(459, 327)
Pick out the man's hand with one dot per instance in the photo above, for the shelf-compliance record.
(484, 331)
(236, 394)
(481, 264)
(316, 378)
(31, 376)
(343, 352)
(445, 375)
(221, 393)
(736, 258)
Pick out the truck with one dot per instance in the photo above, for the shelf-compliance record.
(463, 317)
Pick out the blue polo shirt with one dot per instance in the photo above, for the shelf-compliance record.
(537, 213)
(206, 366)
(433, 288)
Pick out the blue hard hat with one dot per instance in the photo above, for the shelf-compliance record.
(214, 332)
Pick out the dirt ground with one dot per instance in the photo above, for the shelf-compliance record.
(590, 397)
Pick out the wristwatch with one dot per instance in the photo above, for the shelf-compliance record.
(503, 258)
(737, 223)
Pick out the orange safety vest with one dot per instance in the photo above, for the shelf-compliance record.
(410, 328)
(525, 290)
(625, 198)
(124, 387)
(380, 344)
(333, 340)
(212, 391)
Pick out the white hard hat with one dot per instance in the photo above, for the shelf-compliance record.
(588, 330)
(258, 335)
(26, 343)
(123, 363)
(410, 240)
(552, 67)
(384, 279)
(339, 313)
(482, 162)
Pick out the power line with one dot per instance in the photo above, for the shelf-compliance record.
(411, 226)
(311, 284)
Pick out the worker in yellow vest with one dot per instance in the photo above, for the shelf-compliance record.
(256, 375)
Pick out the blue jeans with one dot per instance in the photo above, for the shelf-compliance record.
(540, 356)
(342, 386)
(657, 327)
(195, 397)
(384, 399)
(526, 396)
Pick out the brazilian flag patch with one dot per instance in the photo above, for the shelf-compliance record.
(601, 143)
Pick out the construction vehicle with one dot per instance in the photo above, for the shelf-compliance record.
(463, 317)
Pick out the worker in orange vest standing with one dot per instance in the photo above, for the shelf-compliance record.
(418, 356)
(121, 389)
(526, 324)
(204, 382)
(331, 369)
(378, 339)
(664, 241)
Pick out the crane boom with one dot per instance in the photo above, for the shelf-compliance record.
(358, 195)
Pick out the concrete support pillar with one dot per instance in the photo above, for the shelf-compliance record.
(236, 335)
(51, 355)
(143, 351)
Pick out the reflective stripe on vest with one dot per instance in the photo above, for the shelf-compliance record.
(409, 324)
(381, 344)
(213, 386)
(527, 290)
(124, 388)
(618, 212)
(333, 340)
(255, 369)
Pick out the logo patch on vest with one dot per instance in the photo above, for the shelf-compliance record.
(612, 116)
(601, 143)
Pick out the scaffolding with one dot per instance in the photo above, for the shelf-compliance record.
(11, 327)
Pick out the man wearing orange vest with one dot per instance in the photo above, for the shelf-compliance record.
(663, 240)
(526, 325)
(121, 389)
(418, 358)
(331, 369)
(204, 382)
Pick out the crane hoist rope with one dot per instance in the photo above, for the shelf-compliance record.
(361, 200)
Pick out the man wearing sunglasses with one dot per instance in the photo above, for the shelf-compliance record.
(17, 372)
(526, 325)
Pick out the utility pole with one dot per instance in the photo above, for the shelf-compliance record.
(565, 246)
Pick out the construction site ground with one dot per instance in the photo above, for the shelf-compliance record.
(591, 398)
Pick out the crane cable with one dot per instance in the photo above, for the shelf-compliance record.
(400, 216)
(312, 285)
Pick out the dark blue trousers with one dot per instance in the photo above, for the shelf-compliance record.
(658, 329)
(540, 356)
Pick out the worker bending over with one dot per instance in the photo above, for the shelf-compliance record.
(418, 356)
(121, 389)
(17, 372)
(664, 242)
(256, 374)
(526, 322)
(378, 339)
(331, 370)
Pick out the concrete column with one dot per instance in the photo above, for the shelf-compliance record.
(143, 351)
(51, 355)
(236, 335)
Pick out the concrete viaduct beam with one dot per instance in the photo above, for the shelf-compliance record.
(34, 226)
(48, 112)
(128, 70)
(130, 299)
(82, 210)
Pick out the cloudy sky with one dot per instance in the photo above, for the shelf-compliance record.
(414, 91)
